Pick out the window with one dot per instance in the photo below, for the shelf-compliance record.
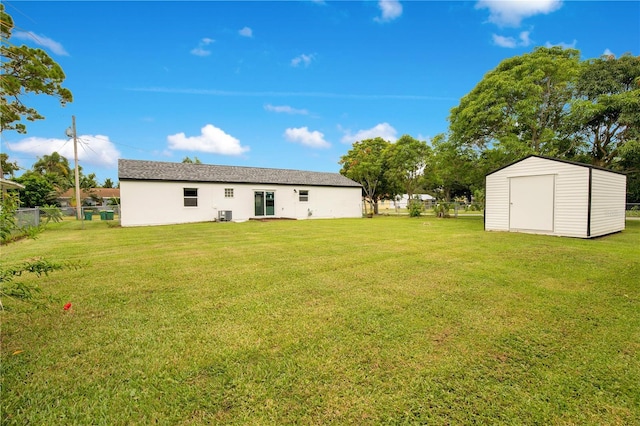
(190, 197)
(304, 195)
(228, 193)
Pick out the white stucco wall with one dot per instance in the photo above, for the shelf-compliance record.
(162, 203)
(571, 195)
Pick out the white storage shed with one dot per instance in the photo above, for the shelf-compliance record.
(542, 195)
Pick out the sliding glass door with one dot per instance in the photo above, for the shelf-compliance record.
(264, 203)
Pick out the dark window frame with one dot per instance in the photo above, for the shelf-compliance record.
(190, 197)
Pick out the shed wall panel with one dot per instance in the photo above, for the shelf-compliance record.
(496, 210)
(572, 200)
(608, 197)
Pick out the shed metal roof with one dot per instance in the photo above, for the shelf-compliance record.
(190, 172)
(574, 163)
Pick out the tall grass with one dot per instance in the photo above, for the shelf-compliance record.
(372, 321)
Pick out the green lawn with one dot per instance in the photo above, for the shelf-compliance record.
(388, 320)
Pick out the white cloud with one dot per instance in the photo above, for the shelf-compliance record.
(200, 50)
(524, 38)
(97, 150)
(510, 13)
(608, 52)
(303, 136)
(382, 130)
(246, 32)
(285, 109)
(41, 40)
(391, 9)
(211, 139)
(302, 60)
(502, 41)
(562, 44)
(511, 42)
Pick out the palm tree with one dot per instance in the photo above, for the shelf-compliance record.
(55, 164)
(55, 168)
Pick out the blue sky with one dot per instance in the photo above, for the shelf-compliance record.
(289, 84)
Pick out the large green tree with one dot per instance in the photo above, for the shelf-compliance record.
(407, 160)
(56, 169)
(188, 160)
(521, 105)
(89, 181)
(38, 190)
(454, 169)
(25, 71)
(365, 163)
(8, 167)
(548, 102)
(606, 112)
(52, 164)
(630, 163)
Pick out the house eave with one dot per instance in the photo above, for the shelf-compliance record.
(232, 182)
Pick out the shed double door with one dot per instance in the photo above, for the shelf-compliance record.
(531, 202)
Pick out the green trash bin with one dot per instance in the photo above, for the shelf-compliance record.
(103, 215)
(109, 214)
(88, 215)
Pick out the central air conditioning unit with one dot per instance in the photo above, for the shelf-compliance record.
(224, 215)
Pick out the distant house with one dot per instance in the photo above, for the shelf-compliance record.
(543, 195)
(99, 197)
(160, 193)
(402, 201)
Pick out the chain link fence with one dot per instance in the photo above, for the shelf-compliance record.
(27, 217)
(32, 217)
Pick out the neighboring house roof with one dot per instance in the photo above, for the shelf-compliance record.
(190, 172)
(98, 192)
(9, 184)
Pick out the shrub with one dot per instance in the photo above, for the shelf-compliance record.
(10, 287)
(17, 290)
(442, 210)
(51, 213)
(415, 208)
(8, 209)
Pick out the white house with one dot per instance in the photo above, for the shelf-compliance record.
(549, 196)
(161, 193)
(402, 201)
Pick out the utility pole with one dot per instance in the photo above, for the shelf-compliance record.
(75, 156)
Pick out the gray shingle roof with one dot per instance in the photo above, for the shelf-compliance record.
(189, 172)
